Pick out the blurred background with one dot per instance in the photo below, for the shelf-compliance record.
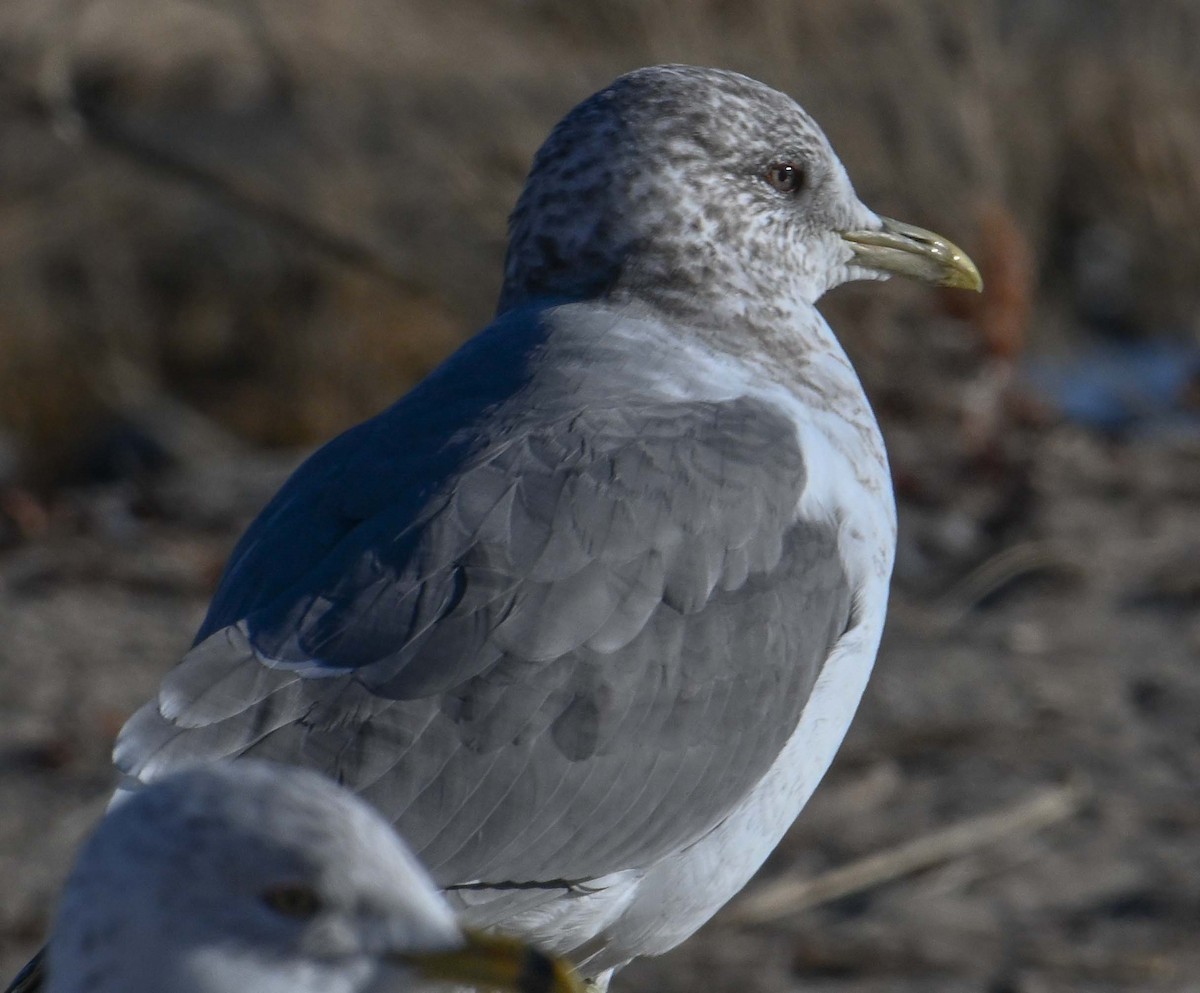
(230, 228)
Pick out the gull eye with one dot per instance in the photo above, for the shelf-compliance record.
(786, 177)
(294, 900)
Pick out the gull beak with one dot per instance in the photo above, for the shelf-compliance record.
(496, 962)
(905, 250)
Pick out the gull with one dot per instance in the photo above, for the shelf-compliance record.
(587, 613)
(248, 876)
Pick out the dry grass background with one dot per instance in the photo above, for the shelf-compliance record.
(229, 224)
(284, 211)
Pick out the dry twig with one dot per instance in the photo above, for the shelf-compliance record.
(792, 894)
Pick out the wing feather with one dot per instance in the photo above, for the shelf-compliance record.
(552, 640)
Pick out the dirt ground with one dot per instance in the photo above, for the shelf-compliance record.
(1069, 663)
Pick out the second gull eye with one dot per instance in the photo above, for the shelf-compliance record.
(293, 900)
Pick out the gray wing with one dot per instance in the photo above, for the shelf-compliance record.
(572, 655)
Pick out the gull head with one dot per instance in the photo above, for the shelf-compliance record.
(701, 190)
(251, 876)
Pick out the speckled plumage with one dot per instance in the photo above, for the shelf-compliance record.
(652, 189)
(587, 613)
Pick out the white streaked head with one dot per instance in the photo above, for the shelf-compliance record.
(701, 191)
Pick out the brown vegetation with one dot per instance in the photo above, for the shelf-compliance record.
(284, 212)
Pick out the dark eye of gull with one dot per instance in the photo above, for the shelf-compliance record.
(294, 900)
(786, 177)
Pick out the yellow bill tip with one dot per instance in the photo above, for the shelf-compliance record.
(903, 249)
